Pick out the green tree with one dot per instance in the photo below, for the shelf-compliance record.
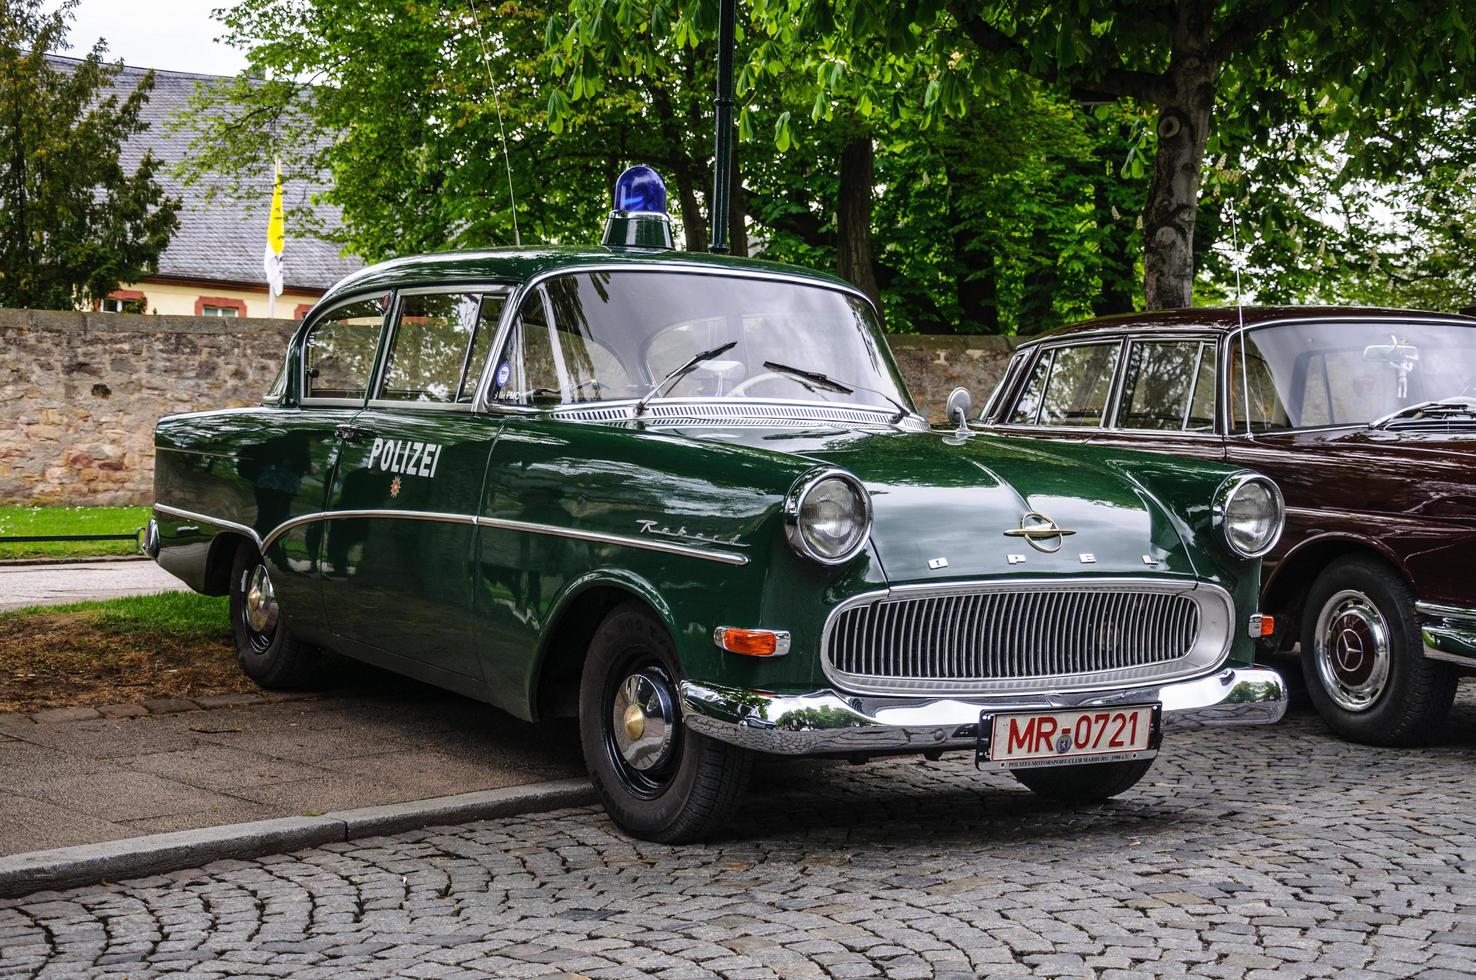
(77, 223)
(1367, 70)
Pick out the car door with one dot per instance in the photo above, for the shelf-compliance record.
(288, 457)
(1165, 399)
(401, 530)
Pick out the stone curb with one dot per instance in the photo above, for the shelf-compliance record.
(77, 560)
(135, 857)
(169, 706)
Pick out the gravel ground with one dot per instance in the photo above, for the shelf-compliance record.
(1274, 852)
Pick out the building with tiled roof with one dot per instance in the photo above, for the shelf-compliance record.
(212, 265)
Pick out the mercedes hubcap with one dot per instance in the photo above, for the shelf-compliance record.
(1353, 654)
(644, 716)
(261, 601)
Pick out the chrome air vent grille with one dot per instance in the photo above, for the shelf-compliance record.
(740, 412)
(1015, 637)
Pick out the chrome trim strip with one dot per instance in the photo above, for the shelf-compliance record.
(190, 515)
(1445, 612)
(1447, 633)
(1025, 609)
(829, 723)
(623, 540)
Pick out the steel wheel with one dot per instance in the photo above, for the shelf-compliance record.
(642, 733)
(266, 648)
(259, 611)
(1352, 650)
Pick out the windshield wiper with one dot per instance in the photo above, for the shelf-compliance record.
(1462, 404)
(688, 365)
(825, 381)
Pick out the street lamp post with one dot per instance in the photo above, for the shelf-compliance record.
(722, 164)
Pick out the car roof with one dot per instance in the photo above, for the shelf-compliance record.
(1222, 319)
(518, 265)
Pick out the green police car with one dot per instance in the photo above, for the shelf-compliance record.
(688, 500)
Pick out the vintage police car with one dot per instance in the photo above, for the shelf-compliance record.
(687, 499)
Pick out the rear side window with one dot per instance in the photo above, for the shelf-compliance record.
(433, 353)
(1069, 387)
(338, 357)
(1169, 385)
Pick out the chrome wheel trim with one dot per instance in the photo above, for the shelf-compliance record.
(1352, 650)
(643, 720)
(259, 609)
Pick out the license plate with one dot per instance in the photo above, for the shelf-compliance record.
(1062, 738)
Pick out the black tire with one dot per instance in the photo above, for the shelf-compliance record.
(270, 655)
(689, 783)
(1090, 783)
(1352, 603)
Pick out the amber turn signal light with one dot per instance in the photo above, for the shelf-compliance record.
(1262, 626)
(752, 643)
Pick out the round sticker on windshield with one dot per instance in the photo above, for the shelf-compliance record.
(504, 371)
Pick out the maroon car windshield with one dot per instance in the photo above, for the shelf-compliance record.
(1312, 374)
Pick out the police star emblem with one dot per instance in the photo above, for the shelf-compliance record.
(395, 487)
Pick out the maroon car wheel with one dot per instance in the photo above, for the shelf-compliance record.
(1363, 661)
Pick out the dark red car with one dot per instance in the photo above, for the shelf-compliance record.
(1366, 419)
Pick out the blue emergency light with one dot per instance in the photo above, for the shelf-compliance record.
(639, 219)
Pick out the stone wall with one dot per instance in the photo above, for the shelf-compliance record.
(79, 392)
(934, 366)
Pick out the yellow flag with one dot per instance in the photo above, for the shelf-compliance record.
(276, 237)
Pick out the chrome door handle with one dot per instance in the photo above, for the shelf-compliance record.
(352, 433)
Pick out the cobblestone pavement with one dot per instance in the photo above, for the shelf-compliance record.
(1280, 852)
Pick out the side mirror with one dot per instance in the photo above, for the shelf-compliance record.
(960, 404)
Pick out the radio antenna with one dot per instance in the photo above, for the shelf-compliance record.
(501, 133)
(1240, 315)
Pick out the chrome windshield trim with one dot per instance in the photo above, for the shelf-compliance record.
(515, 300)
(528, 527)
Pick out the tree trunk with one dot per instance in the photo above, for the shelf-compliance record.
(1183, 126)
(694, 219)
(853, 218)
(737, 207)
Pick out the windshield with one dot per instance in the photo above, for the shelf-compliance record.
(607, 336)
(1312, 374)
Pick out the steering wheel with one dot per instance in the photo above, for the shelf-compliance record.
(740, 389)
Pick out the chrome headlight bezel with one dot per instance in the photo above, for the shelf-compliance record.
(794, 503)
(1228, 491)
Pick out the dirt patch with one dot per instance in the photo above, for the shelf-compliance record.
(71, 659)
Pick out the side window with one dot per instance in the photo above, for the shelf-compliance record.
(1069, 387)
(1251, 380)
(432, 352)
(1028, 405)
(527, 373)
(338, 357)
(1170, 385)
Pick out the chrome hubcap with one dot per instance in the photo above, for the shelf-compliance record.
(1353, 653)
(644, 716)
(261, 601)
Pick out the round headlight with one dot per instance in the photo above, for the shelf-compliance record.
(828, 516)
(1250, 512)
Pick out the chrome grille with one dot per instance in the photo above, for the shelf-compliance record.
(1014, 638)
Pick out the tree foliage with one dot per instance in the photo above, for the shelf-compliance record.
(77, 223)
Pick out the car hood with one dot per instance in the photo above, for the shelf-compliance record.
(942, 504)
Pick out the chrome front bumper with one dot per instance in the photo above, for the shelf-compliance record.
(831, 723)
(1448, 632)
